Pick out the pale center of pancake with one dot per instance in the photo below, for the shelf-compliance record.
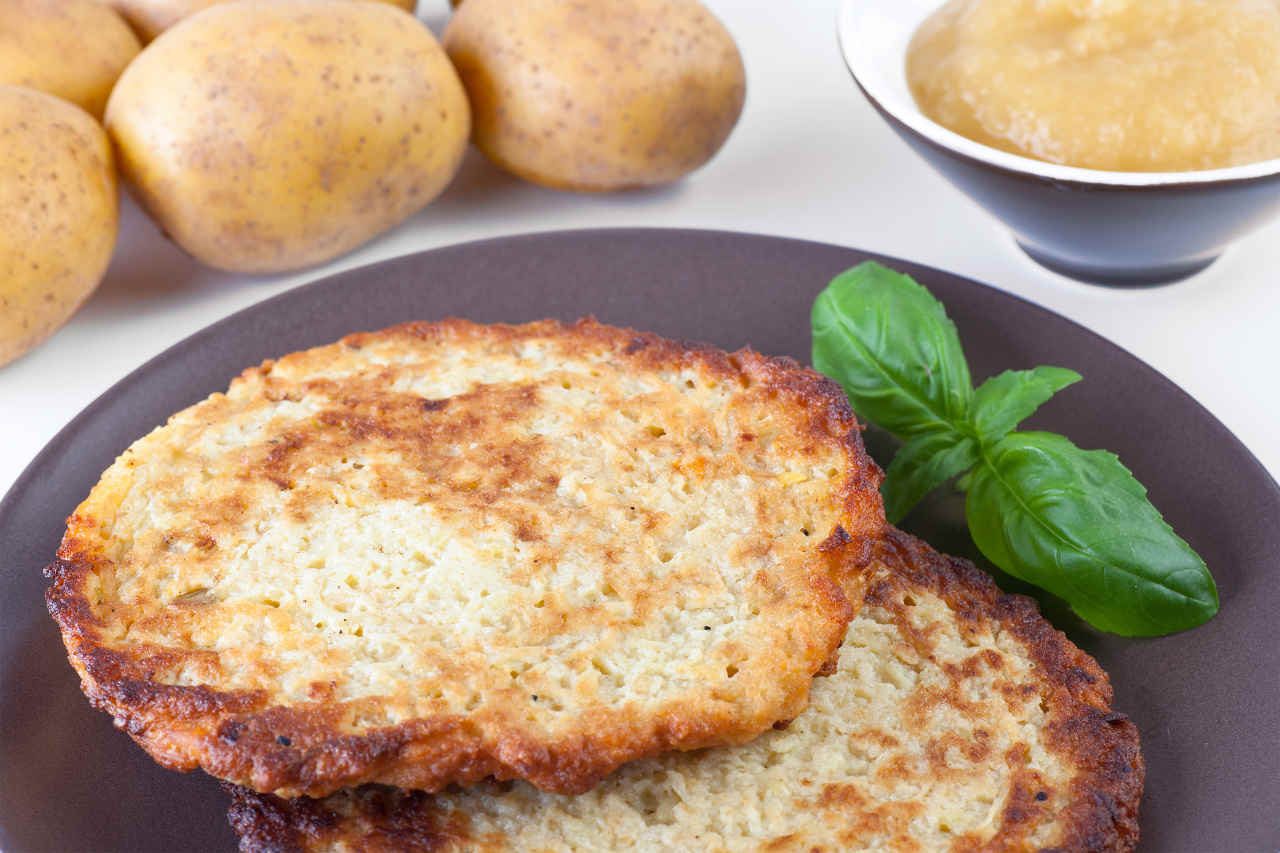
(486, 525)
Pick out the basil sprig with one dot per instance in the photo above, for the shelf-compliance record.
(1071, 521)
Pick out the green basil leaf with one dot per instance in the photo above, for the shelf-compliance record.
(1077, 523)
(890, 344)
(920, 466)
(1004, 401)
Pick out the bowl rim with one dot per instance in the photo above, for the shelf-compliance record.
(851, 12)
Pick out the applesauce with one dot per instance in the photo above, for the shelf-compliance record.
(1122, 85)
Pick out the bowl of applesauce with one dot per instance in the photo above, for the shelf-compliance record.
(1124, 142)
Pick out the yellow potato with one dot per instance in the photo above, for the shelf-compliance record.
(152, 17)
(59, 213)
(597, 94)
(74, 49)
(269, 136)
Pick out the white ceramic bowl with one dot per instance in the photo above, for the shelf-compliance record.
(1121, 228)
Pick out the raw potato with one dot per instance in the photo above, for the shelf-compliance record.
(269, 136)
(597, 94)
(59, 210)
(74, 49)
(152, 17)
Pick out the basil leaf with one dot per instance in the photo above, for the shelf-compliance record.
(920, 466)
(1076, 523)
(1004, 401)
(889, 343)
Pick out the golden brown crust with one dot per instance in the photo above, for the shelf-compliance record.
(1101, 744)
(160, 662)
(387, 820)
(1082, 798)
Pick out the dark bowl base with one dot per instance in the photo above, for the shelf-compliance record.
(1112, 277)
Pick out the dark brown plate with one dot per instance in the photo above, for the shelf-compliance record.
(1206, 701)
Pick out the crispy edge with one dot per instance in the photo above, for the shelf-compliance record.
(1101, 744)
(234, 735)
(390, 820)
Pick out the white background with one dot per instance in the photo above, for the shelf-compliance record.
(809, 159)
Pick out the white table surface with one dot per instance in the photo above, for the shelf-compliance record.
(809, 159)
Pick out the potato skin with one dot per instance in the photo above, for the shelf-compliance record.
(59, 213)
(270, 136)
(149, 18)
(597, 95)
(74, 49)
